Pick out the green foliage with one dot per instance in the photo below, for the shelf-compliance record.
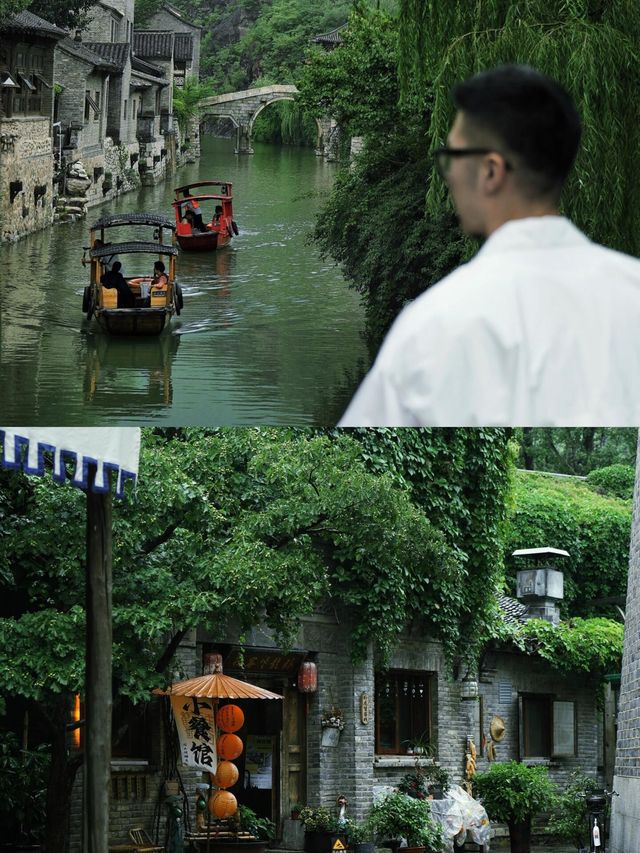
(564, 513)
(70, 15)
(11, 7)
(356, 83)
(575, 450)
(615, 480)
(512, 791)
(570, 819)
(374, 226)
(319, 819)
(23, 775)
(185, 101)
(145, 10)
(246, 41)
(261, 827)
(400, 816)
(580, 645)
(591, 48)
(461, 479)
(286, 123)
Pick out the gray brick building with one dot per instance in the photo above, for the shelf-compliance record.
(625, 821)
(548, 718)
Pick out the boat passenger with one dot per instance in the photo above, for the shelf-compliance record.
(160, 278)
(114, 279)
(193, 215)
(217, 216)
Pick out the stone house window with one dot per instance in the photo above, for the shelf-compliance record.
(126, 103)
(130, 731)
(403, 711)
(547, 727)
(89, 105)
(96, 97)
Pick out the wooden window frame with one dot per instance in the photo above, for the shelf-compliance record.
(552, 700)
(397, 674)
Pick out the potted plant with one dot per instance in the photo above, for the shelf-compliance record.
(360, 835)
(252, 833)
(321, 829)
(513, 793)
(399, 816)
(570, 819)
(296, 808)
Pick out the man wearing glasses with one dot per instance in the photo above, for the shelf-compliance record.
(542, 326)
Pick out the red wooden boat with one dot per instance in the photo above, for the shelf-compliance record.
(204, 220)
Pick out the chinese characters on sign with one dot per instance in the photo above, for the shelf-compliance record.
(196, 731)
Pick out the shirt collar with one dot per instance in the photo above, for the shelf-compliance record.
(534, 232)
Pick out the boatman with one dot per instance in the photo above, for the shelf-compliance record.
(114, 279)
(540, 328)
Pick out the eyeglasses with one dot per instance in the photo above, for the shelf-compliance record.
(443, 157)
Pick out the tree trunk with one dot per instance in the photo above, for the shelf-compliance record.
(61, 778)
(98, 668)
(527, 448)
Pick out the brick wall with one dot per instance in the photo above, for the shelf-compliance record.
(625, 822)
(29, 160)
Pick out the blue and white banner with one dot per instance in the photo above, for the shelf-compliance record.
(115, 449)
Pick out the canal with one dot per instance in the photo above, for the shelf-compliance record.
(269, 333)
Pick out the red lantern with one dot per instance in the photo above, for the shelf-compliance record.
(223, 804)
(229, 747)
(308, 677)
(230, 718)
(226, 775)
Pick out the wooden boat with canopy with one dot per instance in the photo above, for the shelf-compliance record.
(204, 220)
(151, 302)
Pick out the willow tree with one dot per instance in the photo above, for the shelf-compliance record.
(590, 46)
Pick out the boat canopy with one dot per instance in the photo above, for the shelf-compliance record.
(154, 219)
(133, 248)
(178, 202)
(225, 187)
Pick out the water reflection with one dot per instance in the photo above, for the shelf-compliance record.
(129, 373)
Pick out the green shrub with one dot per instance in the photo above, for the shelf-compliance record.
(319, 819)
(512, 791)
(400, 816)
(615, 480)
(570, 817)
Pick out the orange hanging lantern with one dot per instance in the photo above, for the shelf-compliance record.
(223, 804)
(229, 747)
(226, 775)
(230, 718)
(308, 677)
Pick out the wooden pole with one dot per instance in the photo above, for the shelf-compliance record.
(98, 666)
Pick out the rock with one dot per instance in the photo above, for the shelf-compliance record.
(77, 186)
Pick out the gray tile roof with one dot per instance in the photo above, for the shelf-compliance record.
(512, 610)
(146, 67)
(153, 45)
(30, 24)
(115, 53)
(83, 52)
(183, 49)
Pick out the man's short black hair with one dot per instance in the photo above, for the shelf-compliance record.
(159, 266)
(117, 266)
(528, 112)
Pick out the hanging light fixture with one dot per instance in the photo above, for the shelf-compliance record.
(308, 677)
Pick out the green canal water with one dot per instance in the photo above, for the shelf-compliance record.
(269, 333)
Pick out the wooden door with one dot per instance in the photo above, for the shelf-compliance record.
(294, 731)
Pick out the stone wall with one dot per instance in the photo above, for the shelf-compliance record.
(625, 821)
(30, 161)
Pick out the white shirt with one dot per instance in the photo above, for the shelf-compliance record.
(541, 328)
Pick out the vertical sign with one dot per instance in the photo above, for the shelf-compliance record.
(196, 731)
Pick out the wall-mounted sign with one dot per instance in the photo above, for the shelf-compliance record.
(364, 708)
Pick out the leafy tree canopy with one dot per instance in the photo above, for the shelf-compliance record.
(68, 15)
(565, 513)
(576, 450)
(590, 47)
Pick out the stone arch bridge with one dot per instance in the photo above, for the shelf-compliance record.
(244, 107)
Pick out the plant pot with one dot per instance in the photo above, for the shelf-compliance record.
(330, 736)
(232, 845)
(364, 847)
(413, 850)
(520, 836)
(436, 792)
(322, 842)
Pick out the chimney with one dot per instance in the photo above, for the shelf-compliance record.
(541, 585)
